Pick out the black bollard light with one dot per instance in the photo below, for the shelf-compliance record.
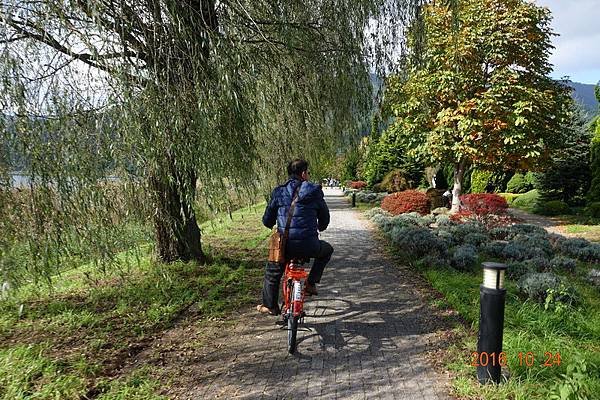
(353, 199)
(492, 296)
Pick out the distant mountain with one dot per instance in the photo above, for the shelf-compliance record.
(583, 93)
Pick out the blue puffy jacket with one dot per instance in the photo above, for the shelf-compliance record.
(310, 214)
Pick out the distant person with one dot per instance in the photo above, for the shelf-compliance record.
(310, 216)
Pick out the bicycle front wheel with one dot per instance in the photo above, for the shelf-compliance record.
(292, 332)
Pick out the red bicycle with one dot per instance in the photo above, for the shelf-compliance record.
(292, 310)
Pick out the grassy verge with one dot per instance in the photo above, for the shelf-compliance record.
(72, 341)
(574, 334)
(571, 331)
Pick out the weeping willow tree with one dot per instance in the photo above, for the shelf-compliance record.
(180, 100)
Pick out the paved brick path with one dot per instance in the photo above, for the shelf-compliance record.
(368, 338)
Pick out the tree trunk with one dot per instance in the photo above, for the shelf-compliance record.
(178, 236)
(459, 175)
(176, 230)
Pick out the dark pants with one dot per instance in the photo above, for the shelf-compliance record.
(321, 252)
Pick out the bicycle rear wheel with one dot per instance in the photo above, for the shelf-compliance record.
(292, 331)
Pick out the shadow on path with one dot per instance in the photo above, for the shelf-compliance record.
(368, 334)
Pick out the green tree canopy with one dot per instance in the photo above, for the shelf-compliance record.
(480, 93)
(594, 192)
(567, 175)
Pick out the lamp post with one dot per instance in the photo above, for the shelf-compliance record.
(492, 296)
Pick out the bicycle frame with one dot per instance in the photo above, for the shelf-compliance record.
(294, 279)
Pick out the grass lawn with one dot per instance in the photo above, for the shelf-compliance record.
(589, 232)
(71, 341)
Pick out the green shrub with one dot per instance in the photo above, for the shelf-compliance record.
(447, 236)
(524, 247)
(553, 207)
(464, 257)
(514, 251)
(500, 233)
(460, 231)
(378, 188)
(443, 220)
(580, 249)
(527, 201)
(521, 183)
(416, 241)
(535, 285)
(509, 197)
(516, 270)
(494, 248)
(538, 264)
(480, 181)
(594, 191)
(368, 197)
(593, 209)
(433, 261)
(593, 277)
(526, 229)
(376, 211)
(534, 242)
(562, 263)
(395, 181)
(476, 239)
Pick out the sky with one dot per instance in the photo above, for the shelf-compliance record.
(577, 49)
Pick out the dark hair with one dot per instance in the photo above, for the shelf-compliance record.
(297, 167)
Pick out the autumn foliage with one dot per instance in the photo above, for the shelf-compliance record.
(358, 184)
(483, 203)
(406, 201)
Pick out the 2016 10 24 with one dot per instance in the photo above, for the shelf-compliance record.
(483, 359)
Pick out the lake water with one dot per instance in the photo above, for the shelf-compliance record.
(22, 181)
(19, 181)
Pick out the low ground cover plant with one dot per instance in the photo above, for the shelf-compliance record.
(552, 304)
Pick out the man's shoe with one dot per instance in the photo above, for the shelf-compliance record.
(310, 290)
(265, 310)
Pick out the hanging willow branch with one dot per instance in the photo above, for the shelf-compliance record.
(179, 101)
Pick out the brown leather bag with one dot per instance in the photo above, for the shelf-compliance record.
(277, 240)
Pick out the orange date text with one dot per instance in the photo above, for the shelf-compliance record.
(527, 359)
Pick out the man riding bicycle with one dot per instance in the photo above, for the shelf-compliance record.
(310, 215)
